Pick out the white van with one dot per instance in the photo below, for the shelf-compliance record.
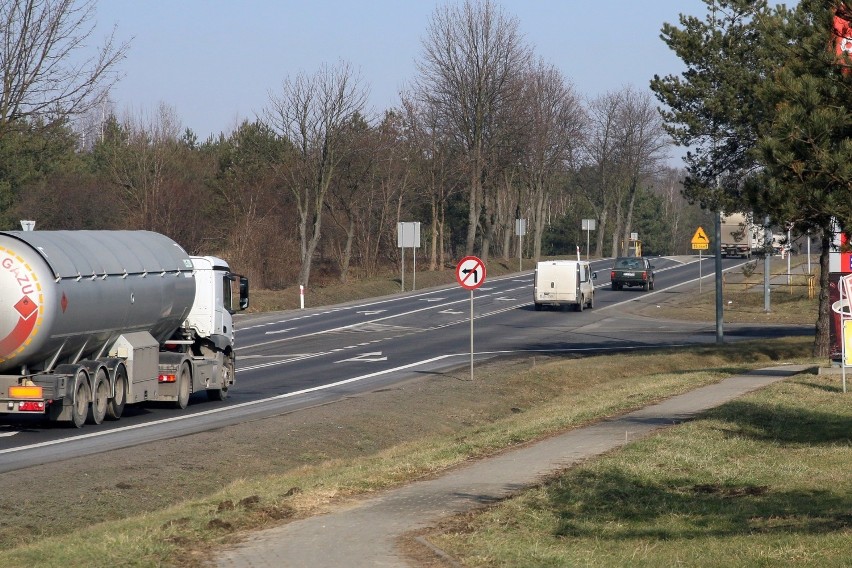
(564, 283)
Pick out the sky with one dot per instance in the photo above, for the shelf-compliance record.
(215, 62)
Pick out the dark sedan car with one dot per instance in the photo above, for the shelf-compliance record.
(632, 271)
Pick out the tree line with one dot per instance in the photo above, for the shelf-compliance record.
(486, 133)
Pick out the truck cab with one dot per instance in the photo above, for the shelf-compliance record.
(218, 295)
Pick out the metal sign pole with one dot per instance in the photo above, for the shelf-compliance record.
(520, 230)
(471, 335)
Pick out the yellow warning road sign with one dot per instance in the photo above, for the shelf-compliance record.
(700, 240)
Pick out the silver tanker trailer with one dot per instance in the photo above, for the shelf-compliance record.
(91, 321)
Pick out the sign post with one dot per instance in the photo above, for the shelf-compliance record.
(587, 225)
(470, 274)
(408, 235)
(520, 230)
(700, 242)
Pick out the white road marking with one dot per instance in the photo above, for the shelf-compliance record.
(373, 357)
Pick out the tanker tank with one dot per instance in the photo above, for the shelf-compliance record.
(67, 295)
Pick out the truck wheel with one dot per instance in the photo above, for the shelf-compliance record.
(537, 307)
(115, 408)
(645, 286)
(183, 387)
(82, 398)
(651, 285)
(614, 286)
(100, 397)
(227, 377)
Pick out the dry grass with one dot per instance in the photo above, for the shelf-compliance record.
(761, 481)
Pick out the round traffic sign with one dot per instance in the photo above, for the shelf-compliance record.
(470, 273)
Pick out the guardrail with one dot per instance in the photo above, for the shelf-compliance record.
(793, 281)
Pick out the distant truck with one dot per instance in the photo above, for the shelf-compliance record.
(632, 271)
(740, 236)
(91, 321)
(564, 283)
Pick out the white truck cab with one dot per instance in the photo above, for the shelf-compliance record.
(218, 294)
(561, 283)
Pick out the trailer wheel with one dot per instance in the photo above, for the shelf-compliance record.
(82, 398)
(100, 397)
(115, 408)
(227, 378)
(183, 387)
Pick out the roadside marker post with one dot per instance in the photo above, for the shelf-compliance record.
(470, 274)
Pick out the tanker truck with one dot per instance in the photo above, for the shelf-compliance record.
(91, 321)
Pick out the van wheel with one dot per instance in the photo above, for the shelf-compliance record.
(581, 304)
(537, 307)
(592, 302)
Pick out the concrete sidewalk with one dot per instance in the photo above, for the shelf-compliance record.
(364, 534)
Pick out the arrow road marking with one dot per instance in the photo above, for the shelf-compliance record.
(280, 331)
(370, 312)
(431, 299)
(451, 312)
(373, 357)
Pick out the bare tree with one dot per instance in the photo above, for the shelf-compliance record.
(471, 53)
(625, 147)
(601, 149)
(312, 112)
(46, 79)
(643, 147)
(555, 122)
(437, 178)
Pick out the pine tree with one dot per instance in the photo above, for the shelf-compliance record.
(804, 145)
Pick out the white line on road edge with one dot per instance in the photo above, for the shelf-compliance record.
(225, 409)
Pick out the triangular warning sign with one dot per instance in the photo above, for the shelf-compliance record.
(700, 237)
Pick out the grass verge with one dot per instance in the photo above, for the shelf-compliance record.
(509, 403)
(760, 481)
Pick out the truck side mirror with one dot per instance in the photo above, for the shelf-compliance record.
(244, 293)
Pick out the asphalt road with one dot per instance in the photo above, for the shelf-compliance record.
(300, 358)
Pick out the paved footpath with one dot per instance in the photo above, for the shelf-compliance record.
(364, 533)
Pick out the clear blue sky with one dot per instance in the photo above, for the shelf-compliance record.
(215, 61)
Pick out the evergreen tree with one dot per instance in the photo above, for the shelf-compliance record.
(805, 144)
